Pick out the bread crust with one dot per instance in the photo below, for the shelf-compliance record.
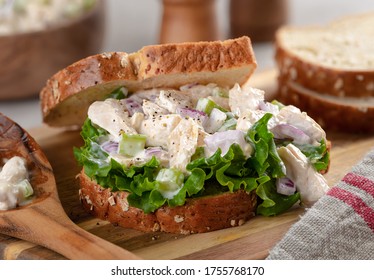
(198, 215)
(336, 114)
(351, 34)
(68, 94)
(325, 80)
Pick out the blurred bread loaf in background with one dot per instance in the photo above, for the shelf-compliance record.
(328, 71)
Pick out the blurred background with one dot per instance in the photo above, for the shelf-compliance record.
(117, 25)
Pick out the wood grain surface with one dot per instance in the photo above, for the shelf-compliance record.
(33, 221)
(252, 240)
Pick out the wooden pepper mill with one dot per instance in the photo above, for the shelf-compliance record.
(188, 21)
(258, 19)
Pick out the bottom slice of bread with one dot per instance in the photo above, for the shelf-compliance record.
(343, 114)
(198, 215)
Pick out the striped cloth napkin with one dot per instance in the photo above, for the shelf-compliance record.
(339, 226)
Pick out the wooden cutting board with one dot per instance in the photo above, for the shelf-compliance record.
(250, 241)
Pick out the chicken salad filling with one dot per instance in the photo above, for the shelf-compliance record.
(165, 145)
(15, 187)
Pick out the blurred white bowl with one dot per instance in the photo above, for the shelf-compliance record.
(27, 60)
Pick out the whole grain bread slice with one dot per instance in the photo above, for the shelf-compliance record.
(349, 114)
(336, 59)
(68, 94)
(197, 215)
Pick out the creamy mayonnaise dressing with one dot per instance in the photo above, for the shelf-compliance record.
(15, 187)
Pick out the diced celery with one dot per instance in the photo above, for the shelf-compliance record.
(206, 105)
(171, 181)
(221, 92)
(230, 115)
(216, 119)
(119, 93)
(229, 124)
(277, 103)
(131, 144)
(26, 188)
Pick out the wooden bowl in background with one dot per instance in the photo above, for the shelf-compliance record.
(27, 60)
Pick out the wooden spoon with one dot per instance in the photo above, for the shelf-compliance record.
(43, 221)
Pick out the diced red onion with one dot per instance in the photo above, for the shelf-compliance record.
(153, 151)
(188, 86)
(285, 186)
(287, 131)
(268, 107)
(192, 113)
(110, 146)
(223, 140)
(216, 119)
(149, 94)
(133, 106)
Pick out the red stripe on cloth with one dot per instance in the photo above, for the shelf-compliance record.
(360, 182)
(357, 204)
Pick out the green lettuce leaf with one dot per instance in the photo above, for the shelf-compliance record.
(229, 170)
(119, 93)
(145, 193)
(139, 181)
(91, 156)
(274, 203)
(318, 155)
(216, 174)
(148, 201)
(266, 158)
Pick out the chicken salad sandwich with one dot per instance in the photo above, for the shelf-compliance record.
(189, 146)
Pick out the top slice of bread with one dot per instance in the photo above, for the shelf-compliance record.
(337, 59)
(67, 95)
